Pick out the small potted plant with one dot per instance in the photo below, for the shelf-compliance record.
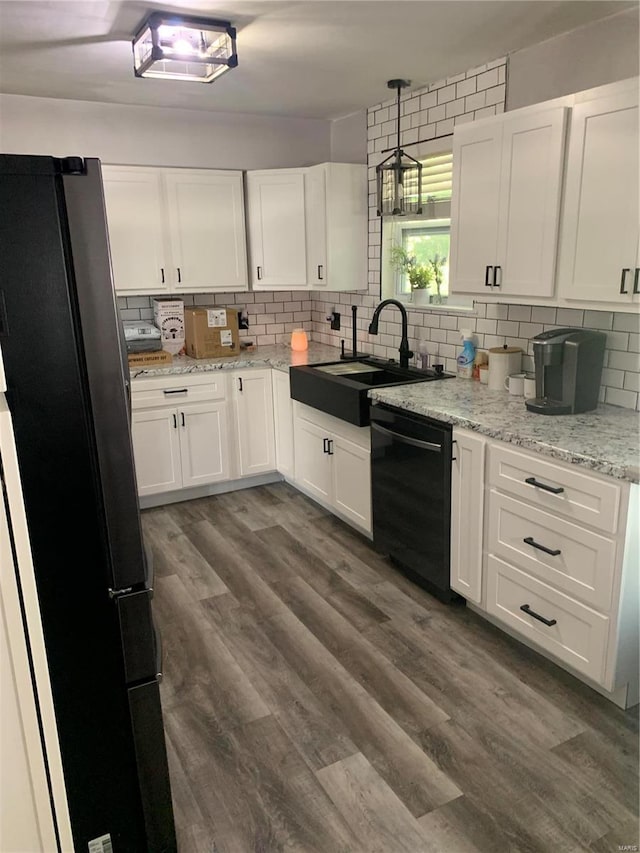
(420, 275)
(437, 263)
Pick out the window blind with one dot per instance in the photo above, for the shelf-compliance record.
(437, 177)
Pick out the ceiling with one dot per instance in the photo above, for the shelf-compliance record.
(319, 59)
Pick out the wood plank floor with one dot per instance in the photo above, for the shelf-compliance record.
(316, 700)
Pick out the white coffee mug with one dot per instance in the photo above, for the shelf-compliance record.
(514, 384)
(529, 385)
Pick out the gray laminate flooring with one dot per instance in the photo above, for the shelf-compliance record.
(316, 700)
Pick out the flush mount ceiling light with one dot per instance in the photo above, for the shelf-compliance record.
(399, 177)
(176, 47)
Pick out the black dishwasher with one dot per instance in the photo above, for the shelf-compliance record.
(411, 493)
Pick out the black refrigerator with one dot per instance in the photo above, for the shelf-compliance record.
(68, 394)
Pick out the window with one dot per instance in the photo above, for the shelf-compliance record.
(416, 250)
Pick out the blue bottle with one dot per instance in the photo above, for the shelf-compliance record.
(467, 355)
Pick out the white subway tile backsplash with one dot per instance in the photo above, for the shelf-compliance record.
(428, 100)
(466, 87)
(497, 312)
(444, 127)
(626, 323)
(508, 327)
(530, 330)
(455, 108)
(598, 319)
(618, 341)
(437, 113)
(485, 112)
(632, 381)
(634, 343)
(496, 95)
(447, 93)
(474, 102)
(625, 361)
(612, 378)
(617, 397)
(130, 313)
(488, 327)
(543, 315)
(569, 317)
(487, 80)
(522, 313)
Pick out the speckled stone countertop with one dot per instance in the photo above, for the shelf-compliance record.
(606, 440)
(279, 356)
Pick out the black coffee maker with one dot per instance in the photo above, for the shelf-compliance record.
(568, 364)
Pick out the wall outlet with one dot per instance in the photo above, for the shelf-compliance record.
(243, 319)
(335, 321)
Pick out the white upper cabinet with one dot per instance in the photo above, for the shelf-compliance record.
(134, 206)
(277, 237)
(308, 227)
(474, 205)
(507, 182)
(205, 212)
(599, 237)
(175, 230)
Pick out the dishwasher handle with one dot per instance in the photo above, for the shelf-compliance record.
(405, 439)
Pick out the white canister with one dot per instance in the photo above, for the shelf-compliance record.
(502, 362)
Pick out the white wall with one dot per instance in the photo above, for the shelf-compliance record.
(349, 138)
(602, 52)
(118, 133)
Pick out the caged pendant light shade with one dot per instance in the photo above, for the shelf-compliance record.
(399, 177)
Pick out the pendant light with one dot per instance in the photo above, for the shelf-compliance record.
(399, 176)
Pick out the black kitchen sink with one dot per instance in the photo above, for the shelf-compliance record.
(340, 388)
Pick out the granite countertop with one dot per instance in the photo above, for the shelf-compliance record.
(605, 440)
(278, 356)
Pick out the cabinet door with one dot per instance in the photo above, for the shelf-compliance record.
(283, 423)
(156, 451)
(277, 231)
(204, 444)
(529, 208)
(254, 406)
(600, 218)
(206, 230)
(316, 225)
(474, 206)
(313, 463)
(467, 505)
(134, 206)
(351, 481)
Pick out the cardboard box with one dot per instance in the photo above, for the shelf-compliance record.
(211, 332)
(159, 358)
(168, 316)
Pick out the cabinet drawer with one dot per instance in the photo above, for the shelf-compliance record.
(581, 498)
(578, 636)
(584, 566)
(177, 390)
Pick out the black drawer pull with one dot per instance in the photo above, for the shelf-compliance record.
(487, 283)
(526, 609)
(555, 552)
(175, 422)
(320, 272)
(177, 391)
(555, 490)
(497, 283)
(636, 276)
(179, 275)
(325, 445)
(623, 288)
(330, 450)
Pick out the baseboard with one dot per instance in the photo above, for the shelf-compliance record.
(164, 498)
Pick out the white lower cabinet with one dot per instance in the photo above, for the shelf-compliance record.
(254, 433)
(180, 432)
(467, 505)
(175, 448)
(283, 423)
(333, 464)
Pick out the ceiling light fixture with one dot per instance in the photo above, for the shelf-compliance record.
(399, 176)
(176, 47)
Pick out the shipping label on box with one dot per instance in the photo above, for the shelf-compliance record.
(211, 332)
(168, 316)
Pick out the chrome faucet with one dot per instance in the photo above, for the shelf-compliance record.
(405, 352)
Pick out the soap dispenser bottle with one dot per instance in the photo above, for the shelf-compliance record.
(467, 355)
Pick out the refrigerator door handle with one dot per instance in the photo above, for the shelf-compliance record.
(159, 656)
